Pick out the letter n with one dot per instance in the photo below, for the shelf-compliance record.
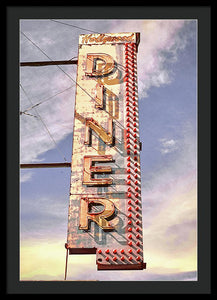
(91, 124)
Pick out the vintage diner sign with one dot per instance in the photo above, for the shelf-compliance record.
(105, 211)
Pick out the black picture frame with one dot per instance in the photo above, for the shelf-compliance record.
(57, 10)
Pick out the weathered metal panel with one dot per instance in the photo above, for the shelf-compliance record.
(105, 213)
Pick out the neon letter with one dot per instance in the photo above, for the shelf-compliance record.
(91, 124)
(89, 170)
(98, 217)
(99, 95)
(93, 68)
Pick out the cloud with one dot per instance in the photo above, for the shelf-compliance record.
(168, 146)
(160, 43)
(53, 118)
(169, 196)
(49, 264)
(25, 176)
(43, 216)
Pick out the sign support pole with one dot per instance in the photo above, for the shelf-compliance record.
(48, 63)
(66, 265)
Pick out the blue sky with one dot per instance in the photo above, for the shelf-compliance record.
(168, 109)
(167, 80)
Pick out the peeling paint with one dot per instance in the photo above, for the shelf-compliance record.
(107, 92)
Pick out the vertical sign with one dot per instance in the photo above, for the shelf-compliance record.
(105, 212)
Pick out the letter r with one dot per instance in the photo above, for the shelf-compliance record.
(98, 217)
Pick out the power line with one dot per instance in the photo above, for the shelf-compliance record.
(36, 45)
(74, 26)
(50, 135)
(57, 65)
(45, 100)
(76, 83)
(28, 114)
(60, 67)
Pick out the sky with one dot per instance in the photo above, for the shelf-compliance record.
(167, 87)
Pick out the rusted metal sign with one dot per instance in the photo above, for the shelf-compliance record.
(105, 212)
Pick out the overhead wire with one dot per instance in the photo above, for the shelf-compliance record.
(76, 83)
(82, 29)
(57, 65)
(28, 114)
(45, 100)
(45, 126)
(70, 59)
(74, 26)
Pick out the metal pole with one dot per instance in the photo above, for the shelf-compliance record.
(67, 251)
(45, 165)
(48, 63)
